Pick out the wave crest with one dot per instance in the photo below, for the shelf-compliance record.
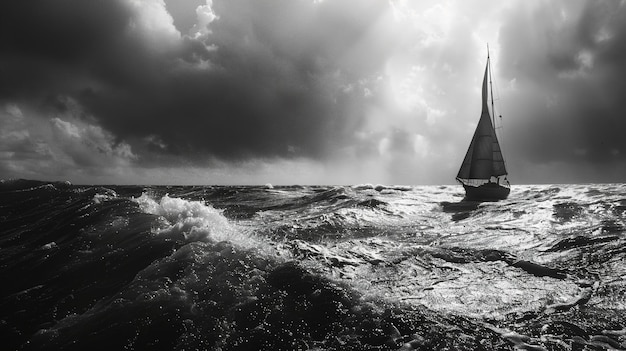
(193, 220)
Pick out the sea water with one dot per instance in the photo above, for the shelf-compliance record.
(311, 267)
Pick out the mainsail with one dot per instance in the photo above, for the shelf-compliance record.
(483, 159)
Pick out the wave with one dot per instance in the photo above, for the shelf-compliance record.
(361, 267)
(7, 185)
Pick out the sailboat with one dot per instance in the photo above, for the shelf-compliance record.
(483, 172)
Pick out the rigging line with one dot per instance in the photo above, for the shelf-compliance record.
(493, 110)
(493, 117)
(499, 100)
(495, 120)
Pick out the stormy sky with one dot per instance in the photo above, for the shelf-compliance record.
(308, 91)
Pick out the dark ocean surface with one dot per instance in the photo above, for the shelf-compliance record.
(311, 268)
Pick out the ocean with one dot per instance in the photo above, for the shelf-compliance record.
(364, 267)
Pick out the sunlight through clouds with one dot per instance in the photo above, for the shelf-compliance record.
(205, 15)
(214, 85)
(154, 24)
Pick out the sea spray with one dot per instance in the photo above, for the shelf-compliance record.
(195, 221)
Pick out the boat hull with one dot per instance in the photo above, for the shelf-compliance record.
(486, 192)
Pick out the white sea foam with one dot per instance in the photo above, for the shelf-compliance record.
(100, 198)
(195, 221)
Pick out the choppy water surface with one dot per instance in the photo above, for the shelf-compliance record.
(326, 268)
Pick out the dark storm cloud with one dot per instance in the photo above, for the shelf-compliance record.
(568, 63)
(45, 46)
(267, 79)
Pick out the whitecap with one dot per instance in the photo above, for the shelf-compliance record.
(195, 221)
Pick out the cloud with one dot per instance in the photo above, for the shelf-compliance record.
(89, 146)
(17, 145)
(334, 89)
(247, 80)
(253, 78)
(567, 106)
(29, 148)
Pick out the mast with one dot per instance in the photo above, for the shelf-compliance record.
(493, 110)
